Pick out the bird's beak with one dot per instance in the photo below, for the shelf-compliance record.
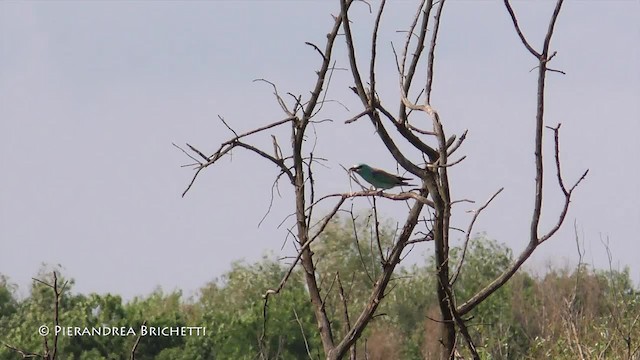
(353, 168)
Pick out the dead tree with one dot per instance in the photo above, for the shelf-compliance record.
(430, 205)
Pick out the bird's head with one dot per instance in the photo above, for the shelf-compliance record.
(358, 168)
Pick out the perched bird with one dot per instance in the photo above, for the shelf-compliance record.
(380, 179)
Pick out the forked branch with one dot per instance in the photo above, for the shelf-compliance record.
(534, 239)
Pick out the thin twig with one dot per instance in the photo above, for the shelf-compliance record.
(283, 106)
(432, 51)
(227, 125)
(135, 344)
(377, 232)
(353, 119)
(357, 243)
(306, 343)
(476, 214)
(458, 143)
(517, 27)
(374, 44)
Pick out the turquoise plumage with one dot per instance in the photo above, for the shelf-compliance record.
(380, 179)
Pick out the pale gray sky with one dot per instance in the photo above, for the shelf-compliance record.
(92, 94)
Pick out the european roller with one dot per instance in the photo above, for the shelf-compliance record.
(380, 179)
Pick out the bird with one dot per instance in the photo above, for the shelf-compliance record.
(380, 179)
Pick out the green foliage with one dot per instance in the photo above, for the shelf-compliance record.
(355, 257)
(565, 314)
(412, 297)
(492, 325)
(234, 308)
(8, 303)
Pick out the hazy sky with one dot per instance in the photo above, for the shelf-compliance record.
(92, 94)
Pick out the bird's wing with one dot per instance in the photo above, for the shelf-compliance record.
(386, 177)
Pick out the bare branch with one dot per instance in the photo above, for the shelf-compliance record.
(193, 180)
(438, 165)
(298, 105)
(565, 191)
(367, 100)
(357, 243)
(333, 281)
(312, 188)
(476, 214)
(186, 153)
(374, 44)
(462, 200)
(24, 354)
(324, 96)
(227, 125)
(377, 231)
(406, 79)
(547, 39)
(291, 268)
(557, 71)
(534, 239)
(277, 151)
(432, 51)
(381, 284)
(260, 129)
(324, 58)
(306, 343)
(401, 196)
(352, 53)
(230, 144)
(460, 322)
(283, 106)
(56, 311)
(273, 186)
(427, 237)
(458, 143)
(315, 94)
(278, 162)
(424, 132)
(520, 34)
(197, 152)
(363, 113)
(345, 314)
(556, 131)
(135, 344)
(405, 132)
